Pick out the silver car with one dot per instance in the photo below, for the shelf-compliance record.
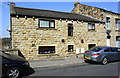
(102, 54)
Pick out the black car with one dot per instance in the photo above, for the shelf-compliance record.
(12, 66)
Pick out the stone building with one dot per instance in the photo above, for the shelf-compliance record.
(111, 19)
(40, 34)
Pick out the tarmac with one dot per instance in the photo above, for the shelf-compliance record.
(56, 62)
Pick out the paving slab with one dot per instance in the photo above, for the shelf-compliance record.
(55, 62)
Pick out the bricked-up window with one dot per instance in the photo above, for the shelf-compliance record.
(46, 23)
(70, 29)
(107, 22)
(46, 49)
(91, 26)
(117, 24)
(70, 48)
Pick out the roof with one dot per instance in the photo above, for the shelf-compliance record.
(52, 14)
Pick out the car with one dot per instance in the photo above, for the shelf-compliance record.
(13, 66)
(102, 54)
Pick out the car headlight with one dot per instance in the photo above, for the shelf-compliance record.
(26, 63)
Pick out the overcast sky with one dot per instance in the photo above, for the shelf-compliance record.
(56, 6)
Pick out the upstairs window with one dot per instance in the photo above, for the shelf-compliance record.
(117, 24)
(70, 48)
(107, 22)
(91, 26)
(46, 23)
(70, 29)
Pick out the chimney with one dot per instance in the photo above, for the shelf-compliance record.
(12, 4)
(12, 10)
(76, 4)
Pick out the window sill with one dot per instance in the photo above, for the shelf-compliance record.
(117, 30)
(91, 30)
(69, 37)
(46, 28)
(50, 54)
(71, 52)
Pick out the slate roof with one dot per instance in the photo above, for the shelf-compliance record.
(52, 14)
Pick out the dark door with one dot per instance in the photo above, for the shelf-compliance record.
(91, 45)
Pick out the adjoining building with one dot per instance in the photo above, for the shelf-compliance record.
(111, 19)
(40, 34)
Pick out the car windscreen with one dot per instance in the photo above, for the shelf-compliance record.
(95, 49)
(4, 55)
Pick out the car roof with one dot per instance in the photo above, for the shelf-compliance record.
(106, 47)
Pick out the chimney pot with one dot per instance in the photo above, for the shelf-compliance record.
(76, 3)
(12, 4)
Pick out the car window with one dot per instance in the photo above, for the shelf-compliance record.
(118, 49)
(111, 50)
(114, 50)
(108, 50)
(95, 49)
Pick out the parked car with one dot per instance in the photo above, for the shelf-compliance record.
(12, 66)
(102, 54)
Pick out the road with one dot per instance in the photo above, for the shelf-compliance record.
(84, 69)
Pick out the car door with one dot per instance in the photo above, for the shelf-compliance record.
(114, 54)
(109, 54)
(118, 51)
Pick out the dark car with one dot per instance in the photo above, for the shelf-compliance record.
(12, 66)
(102, 54)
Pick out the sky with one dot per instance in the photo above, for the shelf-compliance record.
(56, 6)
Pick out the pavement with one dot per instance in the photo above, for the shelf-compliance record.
(55, 62)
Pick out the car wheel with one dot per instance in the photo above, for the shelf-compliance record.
(104, 61)
(13, 72)
(86, 61)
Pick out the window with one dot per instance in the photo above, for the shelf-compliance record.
(91, 26)
(47, 23)
(117, 41)
(117, 24)
(108, 22)
(108, 50)
(91, 46)
(70, 29)
(70, 48)
(46, 49)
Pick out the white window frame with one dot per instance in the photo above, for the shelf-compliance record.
(117, 24)
(91, 26)
(107, 22)
(46, 23)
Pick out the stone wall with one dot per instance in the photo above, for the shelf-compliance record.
(99, 14)
(88, 11)
(25, 32)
